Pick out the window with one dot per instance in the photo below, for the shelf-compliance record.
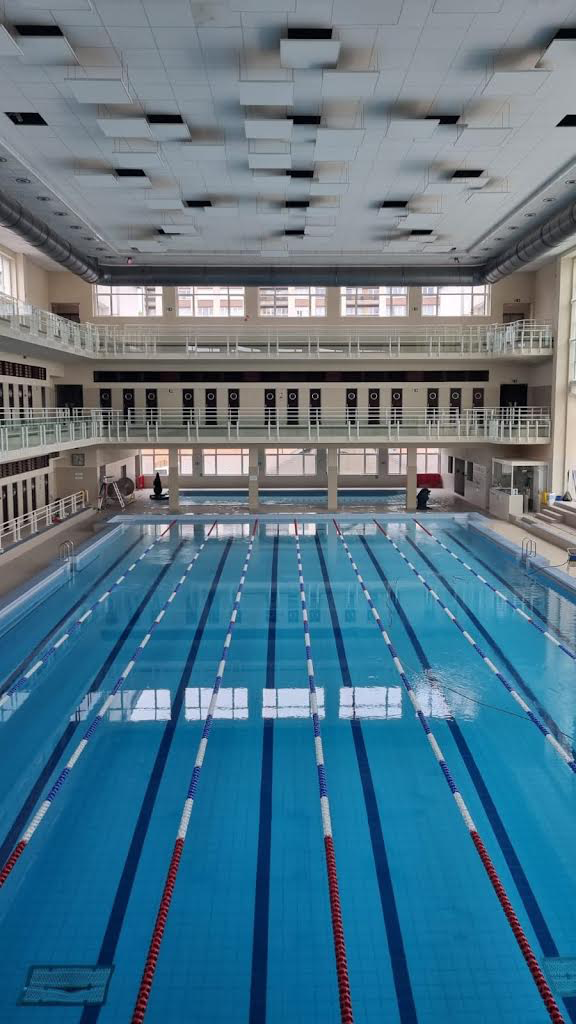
(127, 300)
(7, 276)
(290, 461)
(292, 301)
(154, 460)
(382, 301)
(397, 460)
(219, 301)
(358, 461)
(185, 461)
(428, 460)
(225, 461)
(456, 300)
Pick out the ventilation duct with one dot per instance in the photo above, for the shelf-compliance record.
(537, 242)
(33, 230)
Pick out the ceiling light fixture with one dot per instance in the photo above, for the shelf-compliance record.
(23, 181)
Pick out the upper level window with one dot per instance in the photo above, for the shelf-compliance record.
(219, 301)
(127, 300)
(379, 301)
(456, 300)
(292, 301)
(7, 275)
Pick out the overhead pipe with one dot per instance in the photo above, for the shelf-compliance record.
(33, 230)
(535, 243)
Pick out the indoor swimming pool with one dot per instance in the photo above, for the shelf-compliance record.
(307, 496)
(289, 771)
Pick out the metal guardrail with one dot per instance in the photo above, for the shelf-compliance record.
(24, 526)
(256, 340)
(147, 426)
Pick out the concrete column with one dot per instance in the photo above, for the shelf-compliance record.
(253, 478)
(411, 483)
(173, 479)
(332, 473)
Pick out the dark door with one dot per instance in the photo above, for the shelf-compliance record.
(69, 396)
(33, 494)
(233, 404)
(43, 397)
(459, 476)
(46, 489)
(270, 405)
(5, 516)
(478, 398)
(292, 402)
(397, 403)
(30, 397)
(512, 395)
(432, 403)
(2, 410)
(105, 398)
(211, 407)
(15, 506)
(188, 405)
(351, 405)
(128, 402)
(374, 405)
(315, 405)
(10, 396)
(151, 405)
(20, 396)
(25, 497)
(455, 401)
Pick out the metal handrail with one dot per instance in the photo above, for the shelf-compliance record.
(30, 523)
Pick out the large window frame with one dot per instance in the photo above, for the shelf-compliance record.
(428, 460)
(456, 300)
(218, 302)
(128, 300)
(154, 460)
(378, 301)
(225, 461)
(290, 461)
(358, 462)
(8, 277)
(292, 301)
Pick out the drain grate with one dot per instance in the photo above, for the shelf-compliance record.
(66, 985)
(561, 971)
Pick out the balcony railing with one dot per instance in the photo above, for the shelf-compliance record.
(25, 526)
(526, 425)
(254, 340)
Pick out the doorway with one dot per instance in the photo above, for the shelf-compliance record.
(512, 395)
(70, 396)
(459, 476)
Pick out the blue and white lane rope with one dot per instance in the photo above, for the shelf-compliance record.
(105, 708)
(503, 899)
(519, 611)
(564, 754)
(72, 630)
(149, 971)
(346, 1014)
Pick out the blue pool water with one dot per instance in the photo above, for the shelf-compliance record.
(352, 496)
(248, 935)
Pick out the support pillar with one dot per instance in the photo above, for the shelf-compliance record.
(411, 478)
(173, 480)
(332, 474)
(253, 478)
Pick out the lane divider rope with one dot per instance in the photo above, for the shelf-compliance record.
(504, 900)
(72, 630)
(149, 971)
(564, 754)
(520, 611)
(346, 1014)
(97, 720)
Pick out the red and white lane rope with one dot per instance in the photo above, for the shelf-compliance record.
(514, 607)
(346, 1014)
(566, 757)
(149, 971)
(77, 625)
(517, 930)
(105, 708)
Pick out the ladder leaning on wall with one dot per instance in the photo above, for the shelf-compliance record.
(107, 482)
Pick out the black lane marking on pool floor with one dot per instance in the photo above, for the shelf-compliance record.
(39, 785)
(259, 975)
(61, 622)
(398, 960)
(522, 683)
(132, 860)
(519, 876)
(513, 590)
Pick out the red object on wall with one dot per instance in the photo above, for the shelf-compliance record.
(429, 480)
(139, 482)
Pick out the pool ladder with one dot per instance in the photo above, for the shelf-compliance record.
(528, 548)
(66, 554)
